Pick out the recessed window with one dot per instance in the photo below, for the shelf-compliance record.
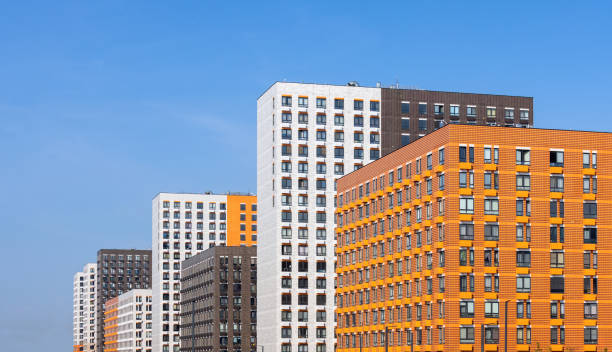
(405, 108)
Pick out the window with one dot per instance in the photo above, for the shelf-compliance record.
(466, 178)
(556, 183)
(374, 105)
(438, 109)
(491, 206)
(557, 205)
(405, 123)
(338, 136)
(491, 310)
(523, 156)
(523, 284)
(374, 138)
(286, 100)
(491, 257)
(321, 103)
(303, 102)
(557, 259)
(590, 335)
(422, 108)
(523, 259)
(454, 110)
(357, 104)
(339, 120)
(471, 111)
(590, 310)
(286, 117)
(523, 207)
(523, 309)
(321, 136)
(339, 104)
(405, 139)
(491, 112)
(339, 152)
(589, 184)
(466, 205)
(590, 285)
(557, 234)
(509, 113)
(302, 118)
(422, 124)
(491, 232)
(491, 180)
(358, 121)
(462, 154)
(374, 122)
(523, 335)
(374, 154)
(589, 210)
(285, 133)
(523, 233)
(556, 158)
(590, 235)
(466, 309)
(466, 231)
(466, 335)
(523, 182)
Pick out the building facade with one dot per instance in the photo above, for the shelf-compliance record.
(111, 324)
(185, 224)
(437, 237)
(219, 300)
(128, 322)
(119, 271)
(308, 136)
(84, 309)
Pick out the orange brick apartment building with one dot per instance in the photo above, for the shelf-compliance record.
(434, 238)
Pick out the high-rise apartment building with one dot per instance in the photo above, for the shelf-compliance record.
(84, 309)
(219, 300)
(185, 224)
(437, 237)
(128, 322)
(118, 271)
(309, 135)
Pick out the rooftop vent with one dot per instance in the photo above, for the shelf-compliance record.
(353, 84)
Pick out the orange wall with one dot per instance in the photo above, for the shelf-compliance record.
(508, 139)
(234, 222)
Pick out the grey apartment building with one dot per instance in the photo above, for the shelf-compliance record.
(219, 300)
(119, 271)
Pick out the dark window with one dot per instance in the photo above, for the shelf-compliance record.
(590, 235)
(556, 158)
(462, 154)
(422, 108)
(557, 284)
(339, 104)
(422, 125)
(405, 139)
(590, 210)
(405, 124)
(405, 108)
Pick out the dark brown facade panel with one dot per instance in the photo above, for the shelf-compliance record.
(219, 300)
(119, 271)
(391, 121)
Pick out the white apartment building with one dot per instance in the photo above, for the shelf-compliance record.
(84, 309)
(308, 135)
(183, 225)
(135, 321)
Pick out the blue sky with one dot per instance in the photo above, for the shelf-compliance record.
(105, 103)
